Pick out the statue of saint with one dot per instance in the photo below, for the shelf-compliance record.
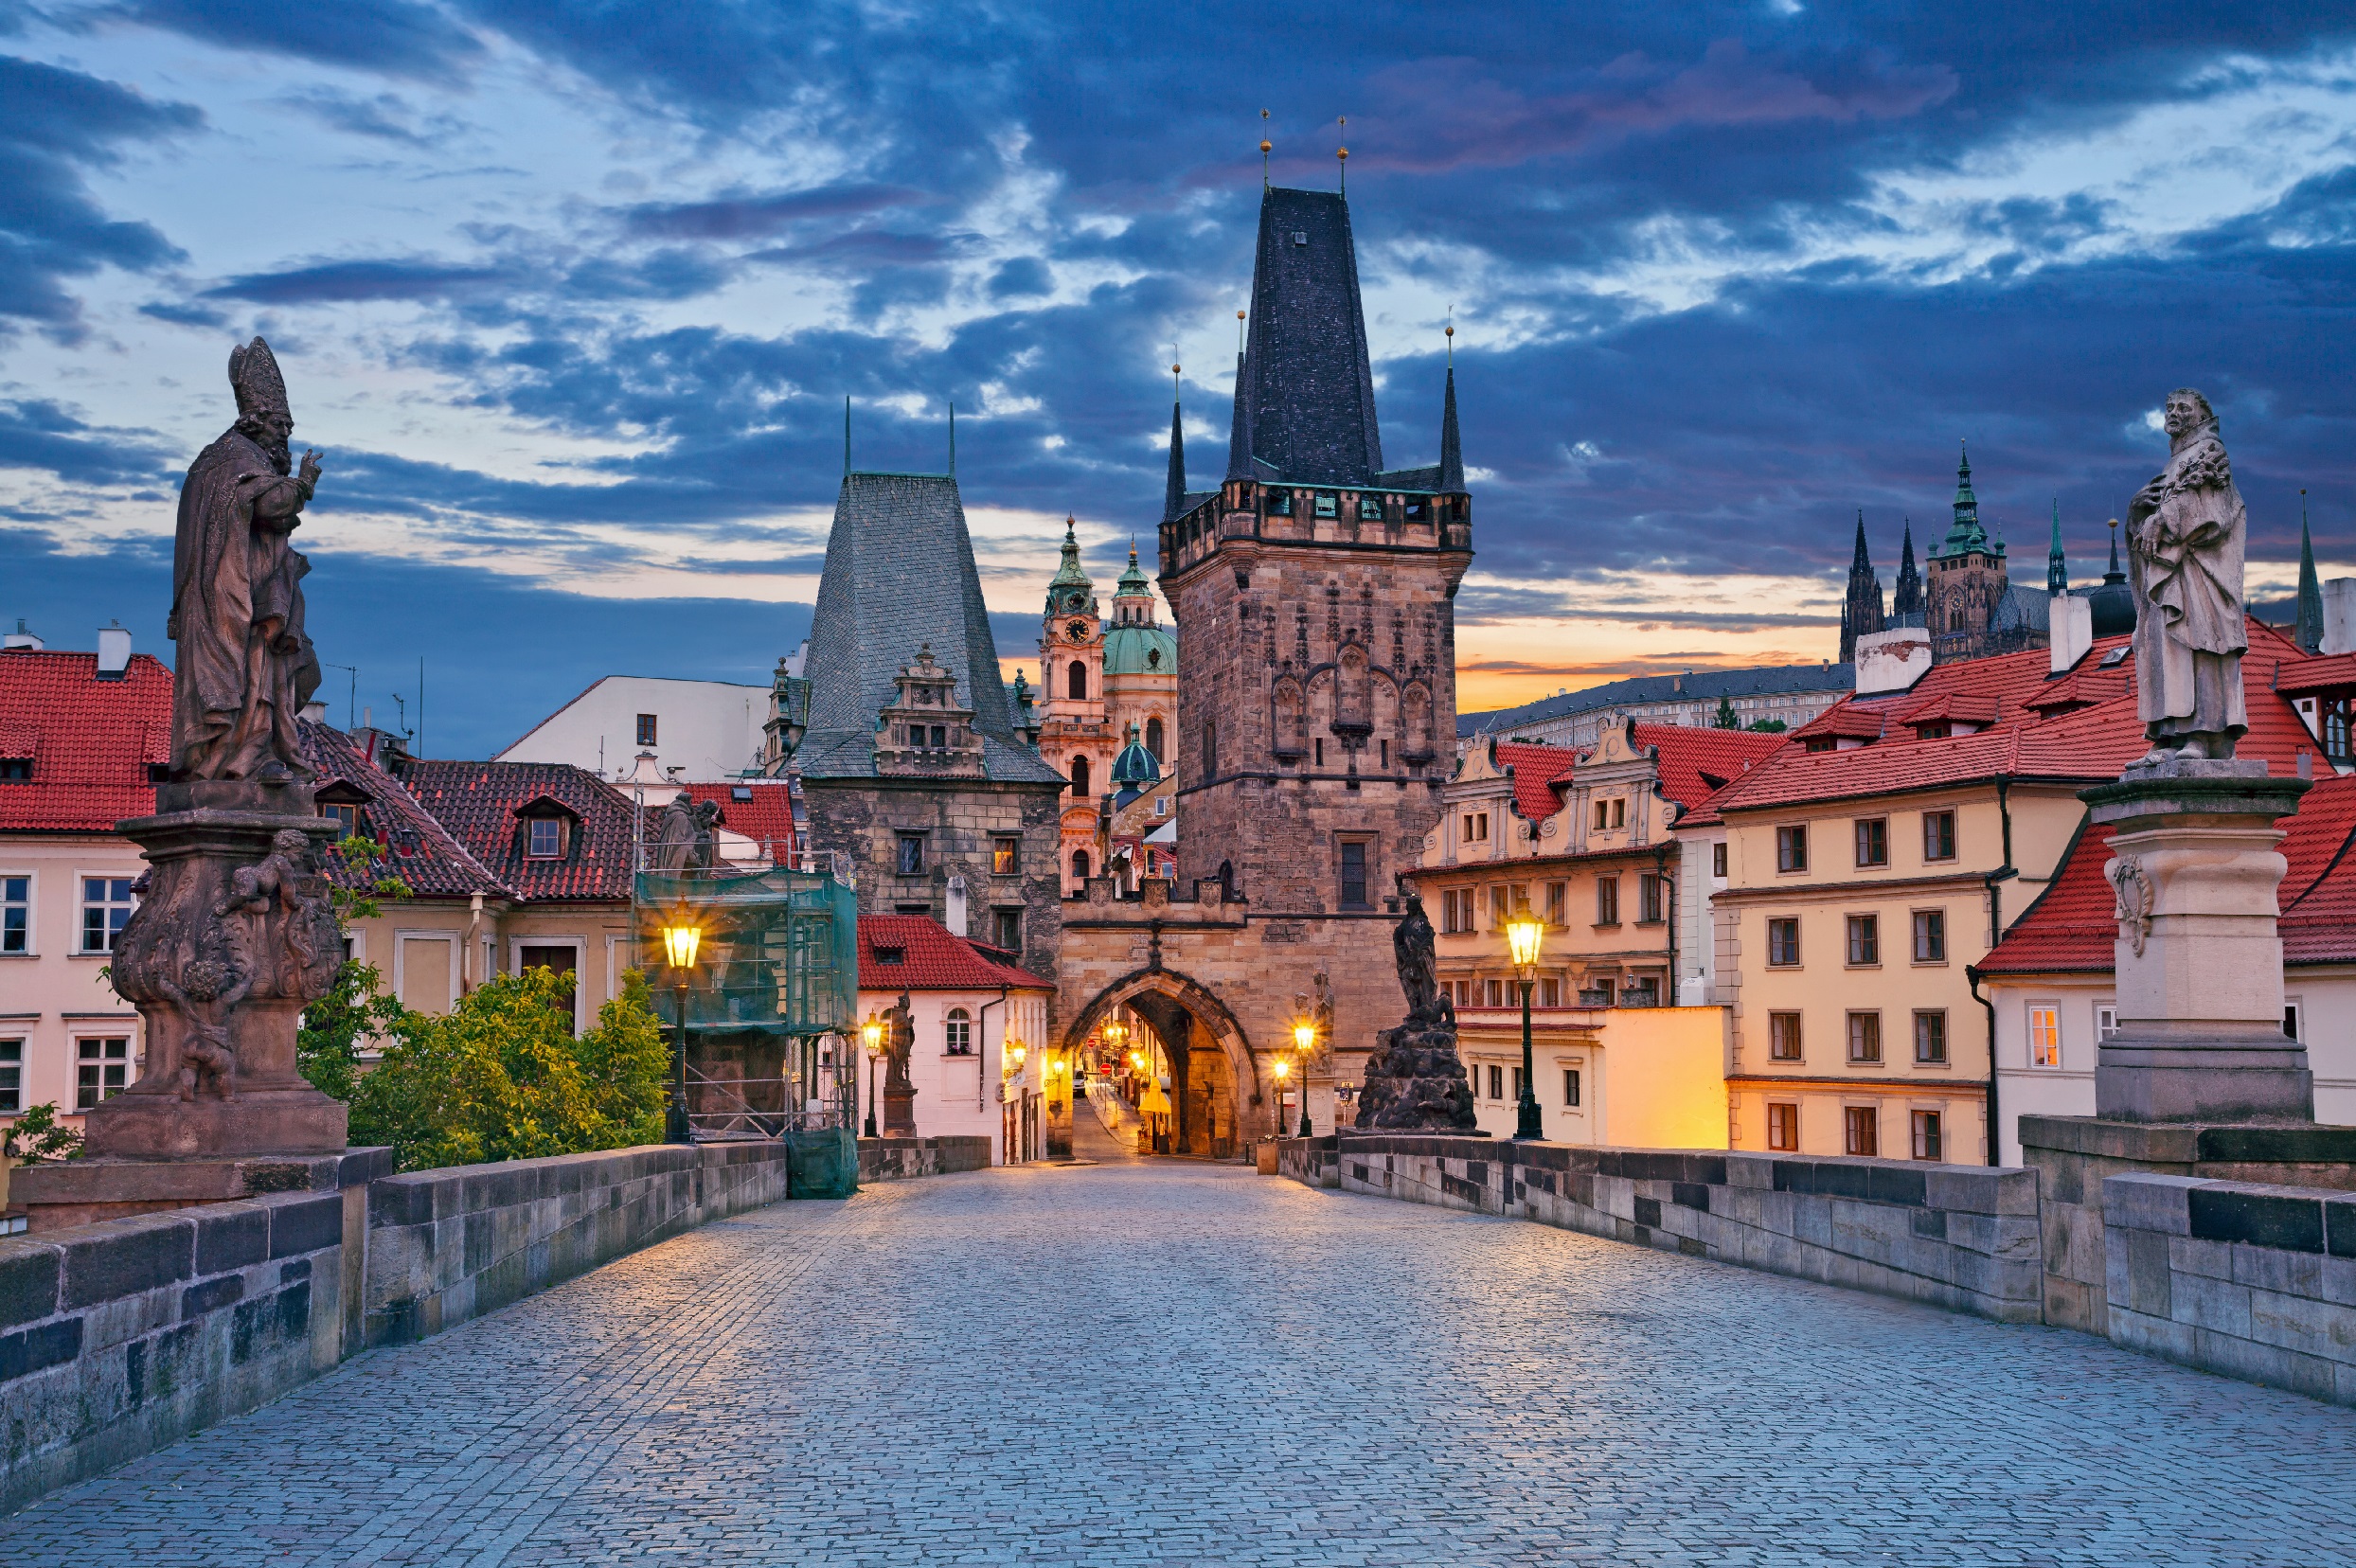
(674, 846)
(244, 668)
(900, 1044)
(1416, 948)
(2185, 536)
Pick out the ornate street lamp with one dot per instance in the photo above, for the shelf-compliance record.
(680, 941)
(1303, 1041)
(1522, 934)
(1282, 1070)
(871, 1036)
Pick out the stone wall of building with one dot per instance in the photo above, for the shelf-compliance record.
(2250, 1281)
(960, 825)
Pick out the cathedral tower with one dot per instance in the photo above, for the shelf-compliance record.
(1860, 612)
(1313, 592)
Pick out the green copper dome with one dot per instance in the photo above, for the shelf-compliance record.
(1134, 768)
(1140, 650)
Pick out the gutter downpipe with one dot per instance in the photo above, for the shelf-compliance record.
(1994, 882)
(1668, 887)
(982, 1048)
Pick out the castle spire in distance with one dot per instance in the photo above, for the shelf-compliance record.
(2057, 564)
(1175, 496)
(1861, 609)
(1906, 600)
(2308, 630)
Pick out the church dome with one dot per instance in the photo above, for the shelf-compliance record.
(2113, 606)
(1135, 768)
(1140, 650)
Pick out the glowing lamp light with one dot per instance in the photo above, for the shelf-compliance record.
(1304, 1036)
(679, 945)
(1522, 934)
(1283, 1069)
(871, 1035)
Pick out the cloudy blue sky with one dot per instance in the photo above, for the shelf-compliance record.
(570, 297)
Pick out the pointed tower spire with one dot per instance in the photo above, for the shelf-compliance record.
(2115, 575)
(1451, 443)
(2057, 564)
(1239, 432)
(1175, 496)
(1859, 556)
(2307, 629)
(1906, 602)
(1860, 607)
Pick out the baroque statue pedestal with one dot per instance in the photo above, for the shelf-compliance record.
(235, 935)
(2198, 962)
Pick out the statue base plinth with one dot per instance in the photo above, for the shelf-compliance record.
(1416, 1083)
(2198, 959)
(900, 1112)
(56, 1195)
(292, 1119)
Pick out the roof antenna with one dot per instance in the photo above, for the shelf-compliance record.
(1265, 145)
(953, 440)
(1343, 154)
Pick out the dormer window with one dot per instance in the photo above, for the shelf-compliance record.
(1279, 503)
(1328, 505)
(891, 955)
(16, 769)
(543, 838)
(1370, 508)
(345, 815)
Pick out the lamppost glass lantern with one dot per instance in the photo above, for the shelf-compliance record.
(1304, 1042)
(871, 1036)
(1523, 933)
(680, 942)
(681, 938)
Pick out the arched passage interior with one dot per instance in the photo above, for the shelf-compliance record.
(1216, 1099)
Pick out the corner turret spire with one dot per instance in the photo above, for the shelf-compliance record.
(1965, 534)
(1908, 598)
(2307, 629)
(1175, 496)
(1451, 443)
(2057, 564)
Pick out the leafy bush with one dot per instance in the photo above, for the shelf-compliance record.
(36, 1136)
(503, 1078)
(327, 1047)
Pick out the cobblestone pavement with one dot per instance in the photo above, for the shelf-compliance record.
(1179, 1364)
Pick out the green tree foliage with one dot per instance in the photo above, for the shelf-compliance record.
(327, 1047)
(1726, 718)
(1768, 726)
(503, 1078)
(36, 1136)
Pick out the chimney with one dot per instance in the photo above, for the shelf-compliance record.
(2338, 617)
(2071, 629)
(114, 651)
(20, 638)
(1892, 661)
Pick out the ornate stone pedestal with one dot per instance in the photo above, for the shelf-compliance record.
(1415, 1082)
(900, 1112)
(233, 937)
(2198, 962)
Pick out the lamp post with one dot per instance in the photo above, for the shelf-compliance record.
(679, 944)
(1283, 1071)
(1305, 1040)
(871, 1036)
(1522, 934)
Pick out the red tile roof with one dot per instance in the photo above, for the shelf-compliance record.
(1963, 707)
(1696, 763)
(479, 803)
(767, 818)
(2071, 926)
(419, 850)
(932, 959)
(90, 740)
(2334, 672)
(1536, 770)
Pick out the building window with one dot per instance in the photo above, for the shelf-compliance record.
(2337, 729)
(1005, 856)
(1929, 937)
(1926, 1141)
(101, 1069)
(1649, 899)
(1938, 835)
(1865, 1037)
(1929, 1029)
(1319, 743)
(645, 729)
(1792, 848)
(1607, 900)
(1550, 991)
(1210, 751)
(1448, 912)
(1329, 505)
(1493, 992)
(1558, 896)
(106, 903)
(345, 815)
(911, 862)
(1496, 1082)
(12, 1076)
(1865, 939)
(2106, 1020)
(1007, 929)
(1279, 503)
(1476, 827)
(1354, 874)
(1079, 867)
(1783, 1037)
(1873, 841)
(1864, 1129)
(1076, 681)
(16, 770)
(1570, 1086)
(544, 838)
(2044, 1035)
(1153, 739)
(1783, 942)
(1718, 860)
(1080, 777)
(958, 1032)
(1783, 1129)
(1612, 812)
(16, 914)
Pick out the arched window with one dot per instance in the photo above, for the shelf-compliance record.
(1226, 879)
(958, 1032)
(1153, 739)
(1210, 751)
(1076, 683)
(1080, 867)
(1079, 773)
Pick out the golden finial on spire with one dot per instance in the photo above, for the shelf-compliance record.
(1265, 145)
(1341, 154)
(1238, 331)
(1173, 380)
(1451, 332)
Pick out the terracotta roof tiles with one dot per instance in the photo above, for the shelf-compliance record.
(418, 850)
(90, 741)
(932, 959)
(1536, 770)
(480, 804)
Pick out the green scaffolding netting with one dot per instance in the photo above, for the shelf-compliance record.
(778, 949)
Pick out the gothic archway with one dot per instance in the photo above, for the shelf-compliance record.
(1219, 1113)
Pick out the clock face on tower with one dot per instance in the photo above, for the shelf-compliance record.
(1079, 631)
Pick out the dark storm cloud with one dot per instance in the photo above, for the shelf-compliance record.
(47, 438)
(753, 217)
(58, 126)
(340, 282)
